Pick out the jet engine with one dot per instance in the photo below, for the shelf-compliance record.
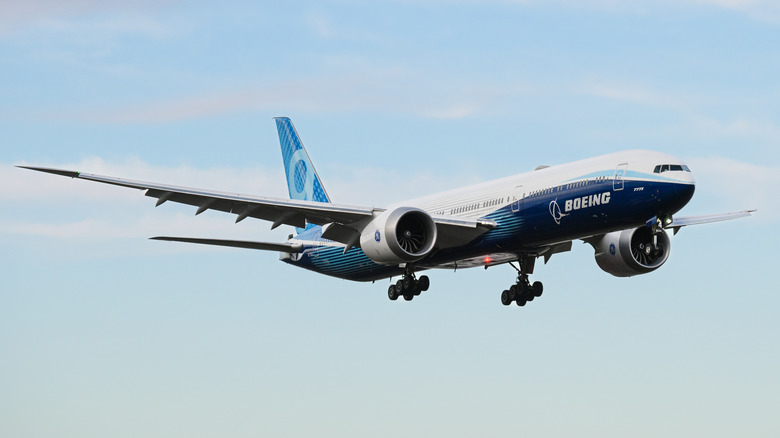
(403, 235)
(632, 252)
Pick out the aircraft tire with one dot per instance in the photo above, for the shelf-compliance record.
(392, 293)
(537, 288)
(513, 292)
(425, 283)
(506, 298)
(408, 297)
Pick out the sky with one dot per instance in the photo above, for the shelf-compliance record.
(106, 333)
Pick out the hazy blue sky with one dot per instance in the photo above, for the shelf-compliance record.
(104, 333)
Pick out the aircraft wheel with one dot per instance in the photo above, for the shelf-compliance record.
(392, 293)
(424, 283)
(416, 288)
(537, 288)
(506, 299)
(407, 282)
(399, 287)
(520, 301)
(408, 297)
(513, 292)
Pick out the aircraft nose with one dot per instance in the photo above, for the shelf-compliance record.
(685, 192)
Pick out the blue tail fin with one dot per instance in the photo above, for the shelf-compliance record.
(302, 180)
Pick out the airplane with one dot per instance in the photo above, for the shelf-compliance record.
(620, 203)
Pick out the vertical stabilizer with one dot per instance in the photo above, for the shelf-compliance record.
(302, 180)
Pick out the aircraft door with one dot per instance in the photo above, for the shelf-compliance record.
(517, 199)
(620, 174)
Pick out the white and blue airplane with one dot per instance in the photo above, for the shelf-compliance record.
(620, 203)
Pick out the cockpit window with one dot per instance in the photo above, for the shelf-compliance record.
(661, 168)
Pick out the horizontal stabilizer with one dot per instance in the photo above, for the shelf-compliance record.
(266, 246)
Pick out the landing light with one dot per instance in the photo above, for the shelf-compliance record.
(487, 260)
(667, 220)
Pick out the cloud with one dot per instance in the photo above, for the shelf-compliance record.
(24, 185)
(400, 91)
(639, 94)
(741, 126)
(452, 112)
(761, 10)
(692, 108)
(320, 25)
(58, 15)
(737, 185)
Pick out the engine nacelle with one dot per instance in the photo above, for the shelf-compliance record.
(403, 235)
(632, 252)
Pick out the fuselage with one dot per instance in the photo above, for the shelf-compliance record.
(540, 208)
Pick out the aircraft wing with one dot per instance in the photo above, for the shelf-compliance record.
(343, 221)
(678, 222)
(277, 210)
(267, 246)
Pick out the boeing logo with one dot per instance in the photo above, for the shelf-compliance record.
(555, 211)
(587, 201)
(576, 204)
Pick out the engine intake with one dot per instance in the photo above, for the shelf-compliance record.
(405, 234)
(632, 252)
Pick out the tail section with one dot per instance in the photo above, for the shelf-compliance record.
(303, 183)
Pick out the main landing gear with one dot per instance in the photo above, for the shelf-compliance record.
(523, 291)
(409, 286)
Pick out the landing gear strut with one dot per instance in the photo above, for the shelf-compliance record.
(409, 286)
(522, 291)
